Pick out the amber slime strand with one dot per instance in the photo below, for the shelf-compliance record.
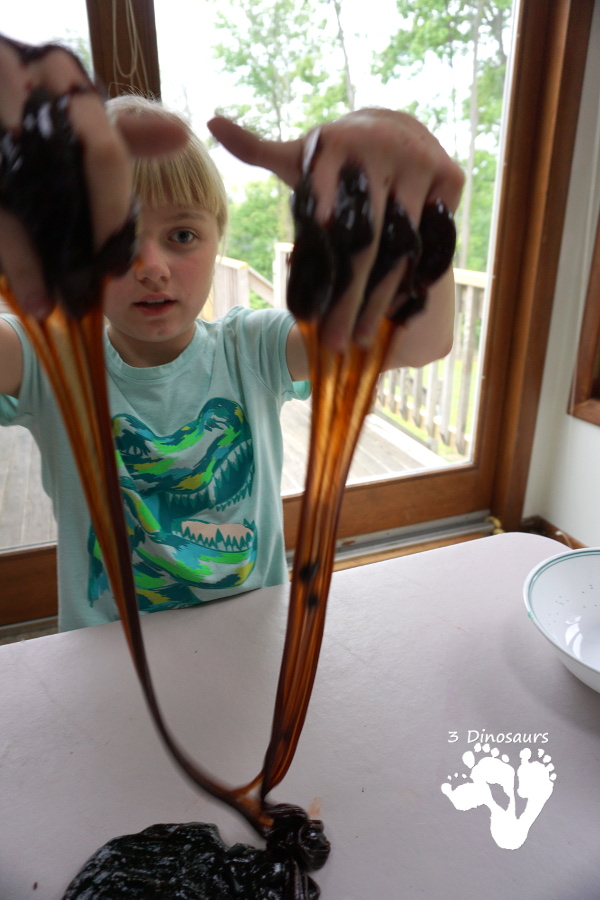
(71, 351)
(41, 182)
(342, 391)
(69, 343)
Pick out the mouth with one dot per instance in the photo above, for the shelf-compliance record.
(154, 305)
(230, 538)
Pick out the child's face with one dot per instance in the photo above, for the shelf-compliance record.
(152, 309)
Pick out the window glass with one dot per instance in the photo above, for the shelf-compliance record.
(281, 67)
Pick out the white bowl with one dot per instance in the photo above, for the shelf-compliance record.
(562, 596)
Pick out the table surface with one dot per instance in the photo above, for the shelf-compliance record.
(422, 657)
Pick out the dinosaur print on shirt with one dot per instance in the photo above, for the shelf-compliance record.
(180, 494)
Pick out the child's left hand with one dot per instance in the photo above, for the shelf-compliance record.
(402, 161)
(107, 152)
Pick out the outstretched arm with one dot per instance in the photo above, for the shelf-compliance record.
(404, 163)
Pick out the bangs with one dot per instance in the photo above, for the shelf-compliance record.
(187, 177)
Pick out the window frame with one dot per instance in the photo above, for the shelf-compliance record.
(584, 400)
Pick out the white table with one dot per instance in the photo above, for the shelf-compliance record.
(419, 653)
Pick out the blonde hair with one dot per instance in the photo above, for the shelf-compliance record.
(188, 176)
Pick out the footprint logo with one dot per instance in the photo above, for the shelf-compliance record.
(534, 780)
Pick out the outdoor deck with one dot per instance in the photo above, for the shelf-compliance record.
(25, 511)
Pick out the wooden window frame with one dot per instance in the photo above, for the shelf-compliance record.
(103, 37)
(546, 88)
(584, 402)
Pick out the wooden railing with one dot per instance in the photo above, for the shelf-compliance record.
(232, 284)
(435, 403)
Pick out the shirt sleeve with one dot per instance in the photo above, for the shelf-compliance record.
(33, 384)
(261, 341)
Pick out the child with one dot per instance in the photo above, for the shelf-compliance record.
(195, 404)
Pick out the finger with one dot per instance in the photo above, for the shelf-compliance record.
(151, 134)
(339, 322)
(398, 244)
(447, 184)
(283, 158)
(428, 335)
(106, 159)
(14, 82)
(327, 165)
(22, 268)
(377, 305)
(107, 166)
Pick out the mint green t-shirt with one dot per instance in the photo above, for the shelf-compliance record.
(199, 451)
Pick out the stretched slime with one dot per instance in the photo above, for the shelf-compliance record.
(41, 181)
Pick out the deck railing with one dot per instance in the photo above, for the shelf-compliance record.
(435, 403)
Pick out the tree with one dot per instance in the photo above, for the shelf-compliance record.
(341, 39)
(253, 226)
(282, 52)
(289, 58)
(484, 179)
(453, 30)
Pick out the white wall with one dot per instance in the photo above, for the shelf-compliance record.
(564, 478)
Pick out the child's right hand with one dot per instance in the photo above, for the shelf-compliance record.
(108, 149)
(403, 163)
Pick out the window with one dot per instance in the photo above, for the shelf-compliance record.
(548, 65)
(423, 419)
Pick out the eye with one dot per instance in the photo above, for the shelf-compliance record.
(182, 236)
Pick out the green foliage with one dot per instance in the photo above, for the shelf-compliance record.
(428, 26)
(254, 226)
(292, 67)
(257, 302)
(280, 52)
(324, 105)
(290, 70)
(484, 178)
(434, 116)
(490, 87)
(444, 28)
(450, 30)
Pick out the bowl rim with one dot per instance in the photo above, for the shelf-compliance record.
(531, 579)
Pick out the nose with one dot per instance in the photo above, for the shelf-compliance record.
(151, 265)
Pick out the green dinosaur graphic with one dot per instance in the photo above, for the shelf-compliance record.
(179, 493)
